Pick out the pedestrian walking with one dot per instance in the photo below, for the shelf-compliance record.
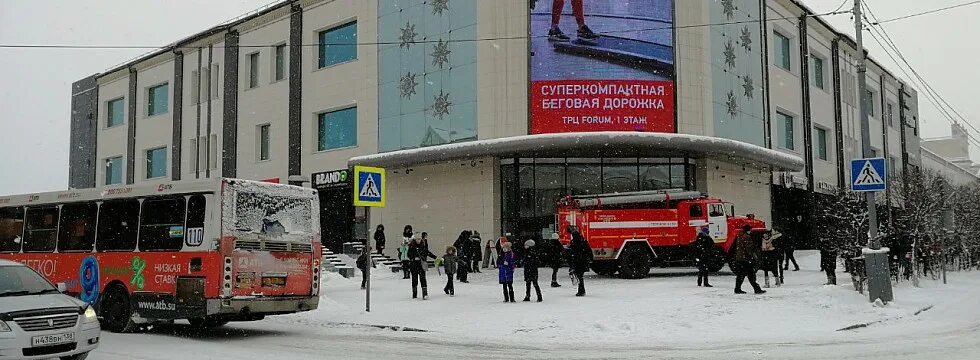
(828, 262)
(770, 260)
(555, 254)
(362, 264)
(476, 251)
(779, 241)
(746, 259)
(379, 239)
(449, 264)
(789, 244)
(531, 262)
(579, 258)
(418, 253)
(407, 235)
(462, 246)
(488, 254)
(703, 247)
(505, 272)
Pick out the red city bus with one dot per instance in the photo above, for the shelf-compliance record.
(210, 251)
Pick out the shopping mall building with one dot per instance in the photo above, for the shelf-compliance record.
(483, 122)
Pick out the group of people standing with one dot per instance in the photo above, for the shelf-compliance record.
(770, 252)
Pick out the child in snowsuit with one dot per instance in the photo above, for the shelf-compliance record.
(531, 263)
(505, 272)
(449, 264)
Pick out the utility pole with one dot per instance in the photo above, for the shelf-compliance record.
(876, 261)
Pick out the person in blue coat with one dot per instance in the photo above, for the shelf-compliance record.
(505, 272)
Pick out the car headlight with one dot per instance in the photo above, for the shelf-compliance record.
(90, 314)
(4, 327)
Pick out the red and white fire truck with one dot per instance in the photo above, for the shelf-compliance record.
(630, 231)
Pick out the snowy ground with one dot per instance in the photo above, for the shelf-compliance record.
(664, 316)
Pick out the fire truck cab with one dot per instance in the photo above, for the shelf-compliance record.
(630, 231)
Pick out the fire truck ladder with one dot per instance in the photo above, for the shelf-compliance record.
(636, 197)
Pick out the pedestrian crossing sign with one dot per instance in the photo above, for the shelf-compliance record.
(369, 186)
(868, 174)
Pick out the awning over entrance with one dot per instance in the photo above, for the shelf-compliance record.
(591, 144)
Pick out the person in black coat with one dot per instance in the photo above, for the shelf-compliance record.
(418, 252)
(788, 245)
(462, 246)
(476, 251)
(362, 264)
(379, 239)
(703, 247)
(555, 253)
(579, 259)
(532, 260)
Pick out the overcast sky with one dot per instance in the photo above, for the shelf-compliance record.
(35, 84)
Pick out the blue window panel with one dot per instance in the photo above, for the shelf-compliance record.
(413, 129)
(389, 97)
(389, 133)
(388, 64)
(113, 171)
(116, 112)
(463, 122)
(337, 129)
(462, 14)
(157, 100)
(338, 45)
(156, 163)
(463, 52)
(463, 83)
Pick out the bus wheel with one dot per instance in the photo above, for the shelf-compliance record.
(206, 323)
(604, 268)
(634, 263)
(117, 312)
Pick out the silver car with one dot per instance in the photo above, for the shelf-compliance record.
(38, 321)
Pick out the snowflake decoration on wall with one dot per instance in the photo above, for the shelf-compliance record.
(438, 6)
(728, 7)
(440, 54)
(407, 38)
(748, 85)
(441, 105)
(746, 39)
(732, 104)
(407, 84)
(730, 54)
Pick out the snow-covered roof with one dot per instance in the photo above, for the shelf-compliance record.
(590, 144)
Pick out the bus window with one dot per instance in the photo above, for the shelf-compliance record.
(11, 229)
(41, 232)
(697, 211)
(77, 230)
(118, 222)
(162, 225)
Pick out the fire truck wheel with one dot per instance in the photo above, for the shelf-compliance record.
(604, 268)
(634, 263)
(116, 311)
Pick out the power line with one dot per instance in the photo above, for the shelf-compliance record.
(416, 42)
(925, 12)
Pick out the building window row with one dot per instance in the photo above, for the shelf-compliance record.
(338, 45)
(785, 131)
(337, 129)
(157, 98)
(156, 163)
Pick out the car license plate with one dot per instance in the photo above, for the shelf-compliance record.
(274, 281)
(45, 340)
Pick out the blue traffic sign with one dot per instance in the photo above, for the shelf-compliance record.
(369, 186)
(868, 174)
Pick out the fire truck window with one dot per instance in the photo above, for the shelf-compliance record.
(11, 229)
(619, 178)
(585, 179)
(717, 210)
(696, 211)
(162, 225)
(41, 232)
(654, 177)
(77, 230)
(118, 223)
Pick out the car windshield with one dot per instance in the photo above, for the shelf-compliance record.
(21, 280)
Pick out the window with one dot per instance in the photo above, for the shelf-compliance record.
(654, 177)
(338, 45)
(782, 53)
(890, 114)
(202, 153)
(113, 170)
(816, 73)
(280, 70)
(11, 229)
(156, 163)
(41, 231)
(892, 167)
(156, 100)
(253, 70)
(204, 88)
(869, 103)
(338, 129)
(619, 178)
(821, 144)
(192, 155)
(784, 127)
(213, 144)
(214, 81)
(696, 211)
(162, 224)
(715, 210)
(117, 225)
(115, 113)
(196, 86)
(77, 230)
(263, 142)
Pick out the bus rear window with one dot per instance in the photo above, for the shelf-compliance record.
(162, 225)
(118, 221)
(11, 229)
(41, 232)
(272, 215)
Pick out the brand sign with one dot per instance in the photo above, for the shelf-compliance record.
(331, 179)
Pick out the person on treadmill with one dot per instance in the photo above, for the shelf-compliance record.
(584, 33)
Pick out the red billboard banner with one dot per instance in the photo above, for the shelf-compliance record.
(602, 105)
